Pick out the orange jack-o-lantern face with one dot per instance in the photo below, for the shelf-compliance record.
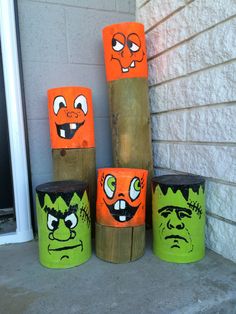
(71, 117)
(125, 51)
(121, 197)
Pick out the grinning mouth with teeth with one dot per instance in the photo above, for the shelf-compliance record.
(67, 130)
(132, 64)
(122, 211)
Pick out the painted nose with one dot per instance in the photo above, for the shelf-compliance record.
(72, 114)
(62, 233)
(126, 53)
(174, 222)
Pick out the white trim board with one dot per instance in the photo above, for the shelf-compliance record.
(16, 126)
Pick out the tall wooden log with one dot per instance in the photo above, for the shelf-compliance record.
(126, 71)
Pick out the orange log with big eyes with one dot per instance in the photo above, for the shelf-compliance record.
(120, 214)
(71, 117)
(72, 137)
(127, 72)
(121, 197)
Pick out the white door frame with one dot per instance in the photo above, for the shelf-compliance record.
(15, 119)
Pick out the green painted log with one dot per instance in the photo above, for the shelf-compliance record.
(179, 218)
(64, 224)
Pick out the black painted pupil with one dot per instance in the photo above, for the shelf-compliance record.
(113, 42)
(129, 43)
(61, 105)
(55, 224)
(68, 223)
(79, 106)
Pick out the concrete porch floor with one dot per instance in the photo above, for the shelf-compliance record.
(148, 285)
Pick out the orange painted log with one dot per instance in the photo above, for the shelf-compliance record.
(71, 117)
(125, 51)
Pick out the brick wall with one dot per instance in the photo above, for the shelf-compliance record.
(61, 45)
(192, 77)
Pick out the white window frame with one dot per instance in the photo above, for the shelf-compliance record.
(15, 119)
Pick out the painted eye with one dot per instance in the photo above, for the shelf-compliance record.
(110, 185)
(59, 102)
(132, 46)
(71, 221)
(165, 214)
(81, 103)
(183, 215)
(116, 45)
(135, 188)
(53, 222)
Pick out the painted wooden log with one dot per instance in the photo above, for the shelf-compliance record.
(72, 137)
(120, 214)
(179, 218)
(64, 224)
(71, 117)
(127, 72)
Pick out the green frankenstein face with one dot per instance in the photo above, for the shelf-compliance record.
(178, 224)
(64, 230)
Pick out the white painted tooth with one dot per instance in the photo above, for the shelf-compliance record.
(62, 133)
(125, 70)
(122, 204)
(72, 126)
(122, 218)
(132, 65)
(117, 205)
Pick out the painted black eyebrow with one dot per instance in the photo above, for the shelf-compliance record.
(52, 211)
(171, 208)
(58, 214)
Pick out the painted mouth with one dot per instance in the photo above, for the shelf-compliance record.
(64, 256)
(64, 248)
(175, 237)
(67, 130)
(125, 70)
(132, 64)
(121, 210)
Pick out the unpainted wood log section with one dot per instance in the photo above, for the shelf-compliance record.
(120, 245)
(77, 164)
(131, 131)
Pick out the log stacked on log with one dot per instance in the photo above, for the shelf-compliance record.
(120, 214)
